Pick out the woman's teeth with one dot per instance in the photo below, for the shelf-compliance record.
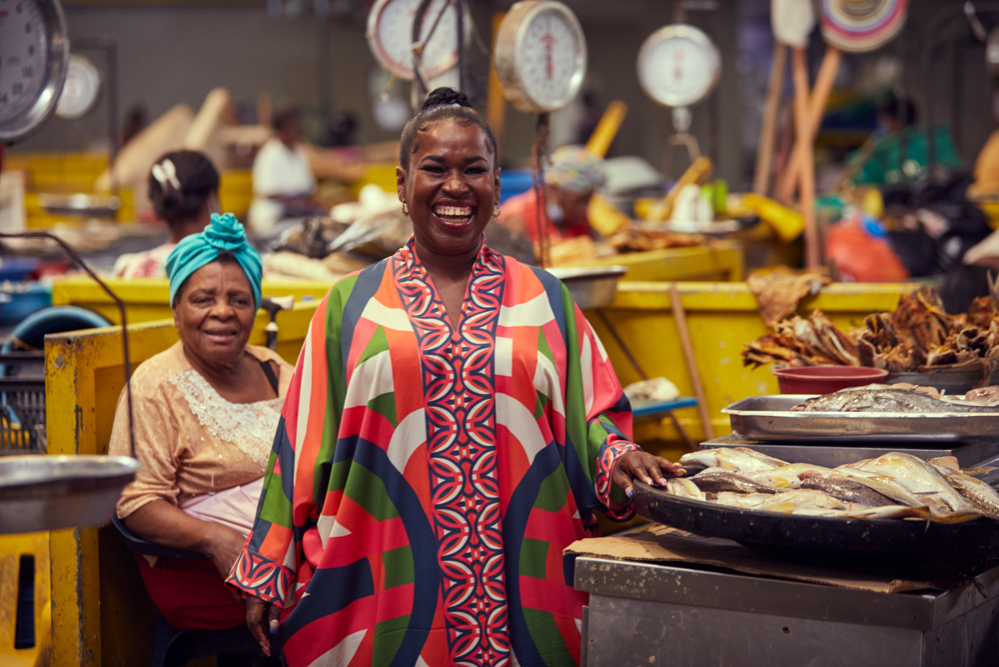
(453, 214)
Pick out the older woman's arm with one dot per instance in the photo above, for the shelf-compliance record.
(148, 506)
(163, 523)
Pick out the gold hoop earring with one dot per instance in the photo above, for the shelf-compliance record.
(496, 211)
(405, 208)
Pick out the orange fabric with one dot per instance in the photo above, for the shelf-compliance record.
(524, 206)
(861, 257)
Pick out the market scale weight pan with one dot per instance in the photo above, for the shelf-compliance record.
(757, 528)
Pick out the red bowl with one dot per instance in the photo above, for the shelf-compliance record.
(826, 379)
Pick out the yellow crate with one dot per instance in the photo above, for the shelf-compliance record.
(381, 174)
(148, 299)
(236, 192)
(12, 549)
(720, 260)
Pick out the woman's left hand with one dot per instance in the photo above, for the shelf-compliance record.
(645, 467)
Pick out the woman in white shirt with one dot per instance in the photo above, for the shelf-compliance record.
(282, 180)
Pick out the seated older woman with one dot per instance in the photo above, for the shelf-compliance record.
(206, 411)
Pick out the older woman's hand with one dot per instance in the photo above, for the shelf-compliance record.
(645, 467)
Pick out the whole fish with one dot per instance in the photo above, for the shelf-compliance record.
(795, 501)
(789, 476)
(740, 500)
(848, 490)
(760, 456)
(684, 488)
(729, 459)
(716, 482)
(885, 398)
(983, 497)
(922, 479)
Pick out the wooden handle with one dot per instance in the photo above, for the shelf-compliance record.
(816, 109)
(688, 357)
(800, 73)
(607, 128)
(764, 158)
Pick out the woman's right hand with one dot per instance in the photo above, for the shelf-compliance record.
(255, 621)
(223, 547)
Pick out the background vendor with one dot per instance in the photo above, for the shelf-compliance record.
(574, 175)
(283, 182)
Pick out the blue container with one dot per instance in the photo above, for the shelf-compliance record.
(514, 182)
(16, 269)
(15, 306)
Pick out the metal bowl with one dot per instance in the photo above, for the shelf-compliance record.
(80, 205)
(591, 286)
(53, 492)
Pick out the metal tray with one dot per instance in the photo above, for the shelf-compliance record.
(52, 492)
(770, 418)
(774, 529)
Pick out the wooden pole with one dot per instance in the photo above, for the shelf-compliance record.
(764, 158)
(495, 100)
(816, 109)
(800, 72)
(688, 356)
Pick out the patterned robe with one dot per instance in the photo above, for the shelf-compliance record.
(425, 481)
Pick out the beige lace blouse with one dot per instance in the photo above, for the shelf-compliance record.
(190, 440)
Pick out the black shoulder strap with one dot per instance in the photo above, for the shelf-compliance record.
(265, 366)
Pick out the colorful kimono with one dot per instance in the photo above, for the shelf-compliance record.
(425, 481)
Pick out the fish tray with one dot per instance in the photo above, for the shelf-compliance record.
(758, 528)
(770, 418)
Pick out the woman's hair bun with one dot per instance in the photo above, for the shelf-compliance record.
(442, 97)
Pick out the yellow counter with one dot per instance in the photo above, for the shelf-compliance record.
(148, 299)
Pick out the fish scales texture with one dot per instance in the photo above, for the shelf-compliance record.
(848, 490)
(729, 459)
(868, 399)
(919, 477)
(717, 482)
(982, 496)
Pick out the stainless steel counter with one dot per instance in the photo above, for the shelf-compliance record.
(646, 614)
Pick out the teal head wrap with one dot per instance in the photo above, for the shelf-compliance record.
(193, 252)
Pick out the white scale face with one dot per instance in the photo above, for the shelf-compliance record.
(390, 35)
(540, 56)
(81, 90)
(548, 58)
(23, 56)
(678, 66)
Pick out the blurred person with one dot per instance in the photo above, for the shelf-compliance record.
(570, 181)
(283, 182)
(184, 191)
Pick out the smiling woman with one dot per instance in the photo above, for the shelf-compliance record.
(206, 412)
(453, 425)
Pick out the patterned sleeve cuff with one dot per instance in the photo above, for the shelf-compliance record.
(260, 577)
(605, 470)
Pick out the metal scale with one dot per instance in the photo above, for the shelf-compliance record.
(48, 492)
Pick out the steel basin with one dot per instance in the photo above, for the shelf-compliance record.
(53, 492)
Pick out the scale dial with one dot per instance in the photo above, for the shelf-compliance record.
(540, 56)
(81, 90)
(33, 60)
(390, 36)
(678, 65)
